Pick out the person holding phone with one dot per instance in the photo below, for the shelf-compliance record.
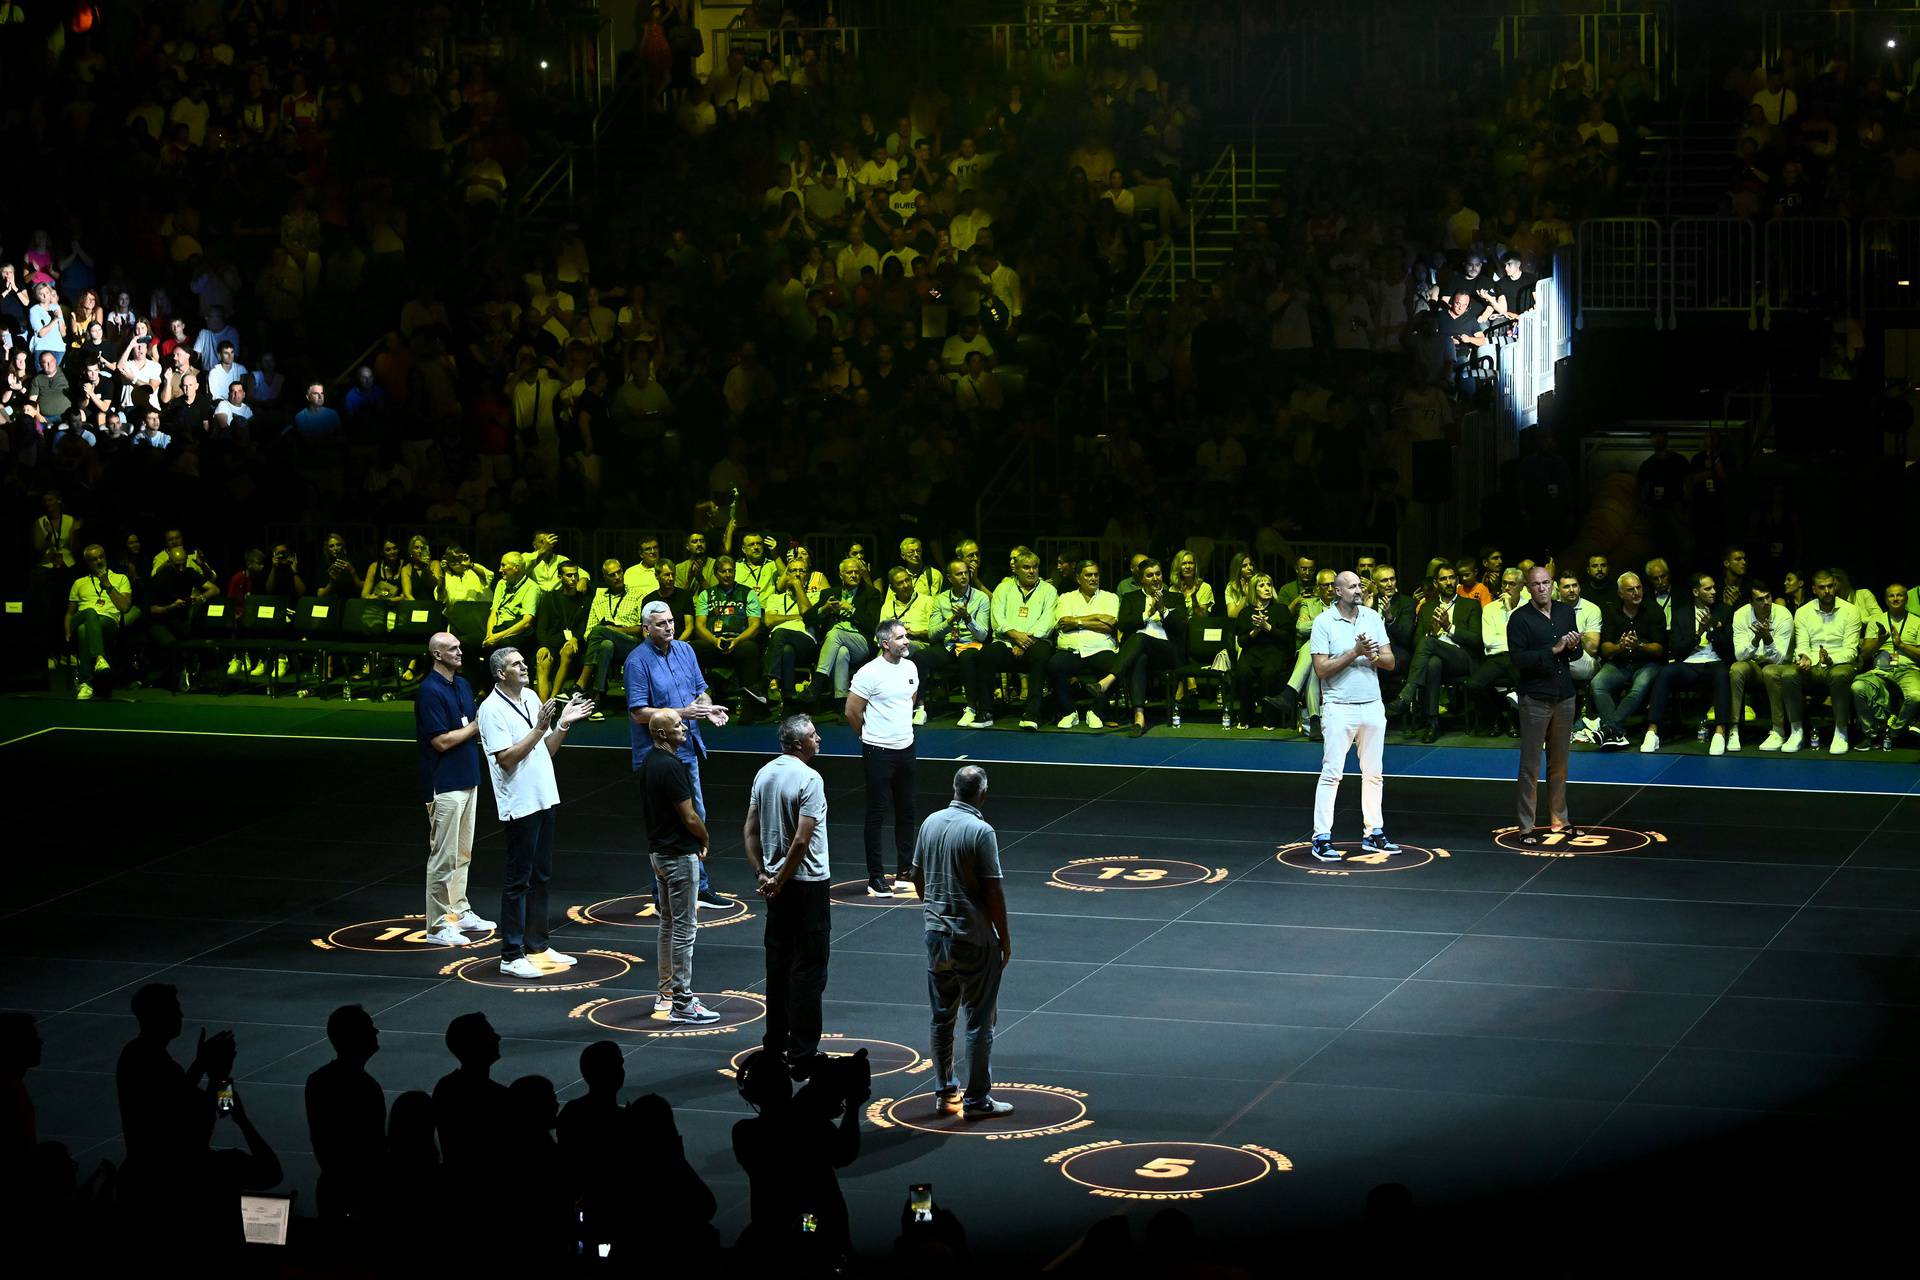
(520, 735)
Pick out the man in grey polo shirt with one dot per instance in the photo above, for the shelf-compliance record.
(786, 839)
(1349, 645)
(956, 872)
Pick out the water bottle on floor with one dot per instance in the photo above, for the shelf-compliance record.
(1813, 738)
(1175, 722)
(1704, 732)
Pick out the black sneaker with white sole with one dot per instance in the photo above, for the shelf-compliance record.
(1377, 842)
(986, 1109)
(712, 901)
(878, 888)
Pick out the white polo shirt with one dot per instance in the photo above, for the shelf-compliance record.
(888, 688)
(529, 786)
(1082, 642)
(1357, 683)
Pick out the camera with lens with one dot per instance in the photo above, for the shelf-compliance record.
(849, 1077)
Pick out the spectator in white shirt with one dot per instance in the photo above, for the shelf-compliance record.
(1777, 102)
(1586, 616)
(1827, 637)
(1763, 651)
(1495, 674)
(1086, 621)
(225, 372)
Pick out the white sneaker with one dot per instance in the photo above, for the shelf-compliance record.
(1772, 741)
(663, 1004)
(1095, 722)
(1793, 740)
(1069, 721)
(258, 669)
(473, 922)
(101, 664)
(521, 968)
(447, 936)
(1717, 746)
(1652, 741)
(550, 956)
(84, 692)
(233, 666)
(1732, 741)
(920, 714)
(966, 718)
(1839, 747)
(903, 888)
(280, 669)
(1592, 725)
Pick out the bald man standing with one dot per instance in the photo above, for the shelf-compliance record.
(1350, 646)
(448, 731)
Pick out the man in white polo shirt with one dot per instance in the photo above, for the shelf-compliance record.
(1350, 646)
(880, 710)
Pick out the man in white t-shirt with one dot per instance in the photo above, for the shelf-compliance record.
(786, 839)
(1350, 646)
(880, 710)
(519, 735)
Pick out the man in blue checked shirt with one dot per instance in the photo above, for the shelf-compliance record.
(664, 675)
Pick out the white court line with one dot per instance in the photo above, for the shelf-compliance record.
(971, 759)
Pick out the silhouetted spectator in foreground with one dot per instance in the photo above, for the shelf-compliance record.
(347, 1119)
(36, 1178)
(413, 1188)
(789, 1150)
(679, 1222)
(469, 1107)
(205, 1219)
(160, 1105)
(592, 1147)
(543, 1230)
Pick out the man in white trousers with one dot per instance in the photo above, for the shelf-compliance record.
(1350, 647)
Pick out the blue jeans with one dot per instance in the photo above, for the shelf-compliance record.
(962, 973)
(841, 653)
(691, 758)
(1607, 684)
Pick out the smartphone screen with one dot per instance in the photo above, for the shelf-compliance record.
(920, 1201)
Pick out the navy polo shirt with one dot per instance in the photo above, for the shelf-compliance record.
(441, 706)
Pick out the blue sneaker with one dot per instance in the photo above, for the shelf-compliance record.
(1323, 849)
(1377, 842)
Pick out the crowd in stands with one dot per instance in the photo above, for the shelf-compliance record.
(601, 1183)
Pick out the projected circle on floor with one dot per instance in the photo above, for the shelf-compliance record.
(400, 934)
(636, 911)
(853, 893)
(884, 1057)
(1166, 1170)
(1591, 840)
(1038, 1110)
(590, 969)
(1354, 859)
(1097, 875)
(636, 1014)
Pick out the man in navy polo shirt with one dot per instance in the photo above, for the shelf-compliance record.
(663, 674)
(449, 735)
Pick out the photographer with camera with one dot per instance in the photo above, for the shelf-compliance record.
(789, 1150)
(786, 839)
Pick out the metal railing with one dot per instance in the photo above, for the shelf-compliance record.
(1809, 264)
(1889, 264)
(1711, 266)
(1619, 268)
(1016, 46)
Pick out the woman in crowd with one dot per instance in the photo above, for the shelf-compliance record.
(386, 577)
(1265, 638)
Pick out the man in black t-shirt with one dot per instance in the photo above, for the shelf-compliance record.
(677, 844)
(559, 623)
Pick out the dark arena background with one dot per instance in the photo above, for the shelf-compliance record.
(1102, 347)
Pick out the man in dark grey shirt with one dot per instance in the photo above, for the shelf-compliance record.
(956, 871)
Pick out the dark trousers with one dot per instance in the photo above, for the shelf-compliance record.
(799, 928)
(1262, 669)
(1064, 666)
(1544, 724)
(1711, 676)
(523, 896)
(746, 660)
(605, 647)
(790, 651)
(979, 666)
(889, 785)
(1444, 662)
(1488, 681)
(1140, 657)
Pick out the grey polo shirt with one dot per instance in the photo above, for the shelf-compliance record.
(1358, 683)
(956, 853)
